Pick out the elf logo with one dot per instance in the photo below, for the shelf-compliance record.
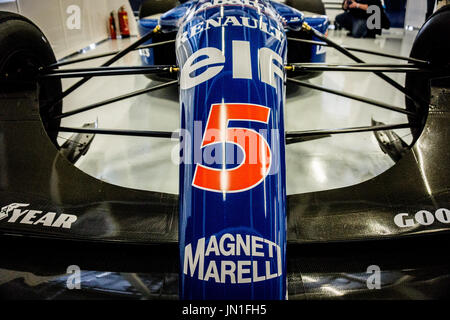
(207, 63)
(16, 213)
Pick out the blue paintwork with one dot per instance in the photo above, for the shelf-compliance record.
(320, 23)
(145, 26)
(260, 211)
(291, 19)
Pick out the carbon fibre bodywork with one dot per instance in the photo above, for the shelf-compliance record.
(34, 172)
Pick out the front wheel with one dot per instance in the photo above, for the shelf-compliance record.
(154, 7)
(313, 6)
(431, 44)
(23, 50)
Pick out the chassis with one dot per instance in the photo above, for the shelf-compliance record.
(411, 200)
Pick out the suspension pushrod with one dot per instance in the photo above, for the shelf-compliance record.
(306, 139)
(106, 71)
(103, 55)
(116, 99)
(115, 58)
(353, 97)
(127, 133)
(356, 59)
(103, 69)
(301, 134)
(356, 68)
(289, 135)
(362, 65)
(376, 53)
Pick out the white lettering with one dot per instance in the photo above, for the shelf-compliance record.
(228, 271)
(256, 246)
(242, 60)
(213, 56)
(245, 23)
(230, 245)
(422, 217)
(257, 278)
(443, 215)
(267, 68)
(240, 244)
(16, 215)
(242, 271)
(214, 23)
(260, 267)
(233, 21)
(212, 272)
(64, 221)
(400, 220)
(198, 260)
(30, 215)
(212, 246)
(47, 220)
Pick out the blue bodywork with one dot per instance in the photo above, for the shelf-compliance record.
(211, 219)
(321, 23)
(173, 18)
(232, 227)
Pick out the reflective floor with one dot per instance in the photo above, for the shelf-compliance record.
(342, 160)
(411, 284)
(331, 272)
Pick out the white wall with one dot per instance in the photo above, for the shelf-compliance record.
(415, 13)
(51, 16)
(416, 10)
(332, 13)
(8, 5)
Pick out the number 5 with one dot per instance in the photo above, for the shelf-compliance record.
(257, 155)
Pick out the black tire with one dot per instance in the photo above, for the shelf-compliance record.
(301, 52)
(23, 50)
(314, 6)
(151, 7)
(147, 9)
(431, 44)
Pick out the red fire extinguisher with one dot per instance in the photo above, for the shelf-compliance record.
(124, 23)
(112, 26)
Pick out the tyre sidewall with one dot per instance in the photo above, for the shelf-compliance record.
(431, 44)
(19, 35)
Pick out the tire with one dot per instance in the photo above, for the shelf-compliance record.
(152, 7)
(25, 49)
(431, 44)
(164, 55)
(314, 6)
(301, 52)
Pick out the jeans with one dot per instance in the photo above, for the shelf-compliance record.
(357, 26)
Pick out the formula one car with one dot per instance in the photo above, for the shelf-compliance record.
(300, 51)
(232, 232)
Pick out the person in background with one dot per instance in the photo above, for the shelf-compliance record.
(355, 18)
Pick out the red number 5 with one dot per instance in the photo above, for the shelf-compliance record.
(257, 155)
